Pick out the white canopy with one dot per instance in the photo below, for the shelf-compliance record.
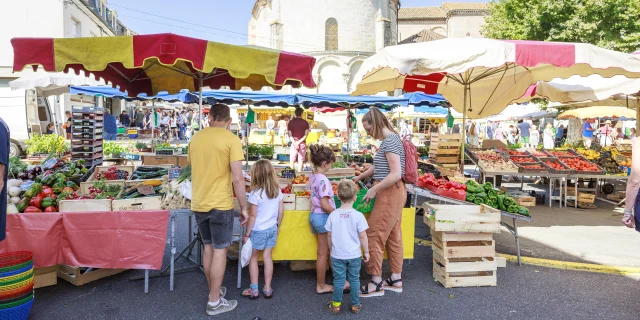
(48, 84)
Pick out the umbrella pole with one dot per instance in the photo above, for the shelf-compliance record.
(153, 112)
(637, 112)
(200, 83)
(463, 130)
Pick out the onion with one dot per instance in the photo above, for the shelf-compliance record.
(14, 200)
(14, 191)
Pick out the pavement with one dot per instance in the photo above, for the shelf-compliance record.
(526, 292)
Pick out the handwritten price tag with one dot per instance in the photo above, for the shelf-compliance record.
(174, 173)
(146, 190)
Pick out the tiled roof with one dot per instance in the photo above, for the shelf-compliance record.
(420, 13)
(423, 36)
(448, 6)
(439, 12)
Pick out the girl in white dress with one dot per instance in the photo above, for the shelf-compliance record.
(548, 136)
(534, 137)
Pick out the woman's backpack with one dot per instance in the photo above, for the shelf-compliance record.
(410, 161)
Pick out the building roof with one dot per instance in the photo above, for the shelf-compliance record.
(423, 36)
(439, 12)
(421, 13)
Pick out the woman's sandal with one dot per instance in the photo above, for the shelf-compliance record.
(251, 294)
(333, 309)
(268, 294)
(364, 291)
(389, 285)
(356, 309)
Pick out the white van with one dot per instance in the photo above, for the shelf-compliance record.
(25, 113)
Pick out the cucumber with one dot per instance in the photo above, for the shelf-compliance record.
(148, 169)
(133, 195)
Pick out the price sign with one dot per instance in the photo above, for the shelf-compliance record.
(146, 190)
(620, 158)
(49, 163)
(174, 173)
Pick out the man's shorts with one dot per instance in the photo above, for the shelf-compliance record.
(299, 154)
(525, 139)
(317, 222)
(216, 227)
(263, 239)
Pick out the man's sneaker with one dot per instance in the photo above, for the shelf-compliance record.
(223, 306)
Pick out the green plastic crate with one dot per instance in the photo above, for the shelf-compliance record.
(359, 204)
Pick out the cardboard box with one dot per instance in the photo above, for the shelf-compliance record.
(44, 277)
(145, 203)
(289, 202)
(527, 201)
(303, 203)
(78, 277)
(87, 205)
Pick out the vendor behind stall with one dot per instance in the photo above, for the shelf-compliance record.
(298, 131)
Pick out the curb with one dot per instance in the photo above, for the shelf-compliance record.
(562, 265)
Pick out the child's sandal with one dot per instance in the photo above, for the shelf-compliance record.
(356, 309)
(268, 294)
(251, 294)
(333, 309)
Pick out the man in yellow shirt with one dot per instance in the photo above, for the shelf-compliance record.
(215, 155)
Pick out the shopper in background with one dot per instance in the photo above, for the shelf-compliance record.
(632, 135)
(110, 126)
(298, 131)
(346, 234)
(51, 128)
(173, 123)
(125, 120)
(548, 136)
(473, 135)
(559, 135)
(215, 155)
(182, 127)
(489, 130)
(147, 119)
(525, 133)
(587, 133)
(390, 195)
(500, 132)
(282, 130)
(140, 118)
(534, 137)
(164, 126)
(265, 216)
(631, 216)
(511, 135)
(67, 124)
(606, 133)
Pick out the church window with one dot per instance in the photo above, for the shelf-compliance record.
(331, 34)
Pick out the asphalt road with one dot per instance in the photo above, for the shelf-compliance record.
(522, 293)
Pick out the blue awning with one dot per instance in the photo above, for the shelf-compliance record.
(419, 99)
(110, 92)
(256, 98)
(345, 100)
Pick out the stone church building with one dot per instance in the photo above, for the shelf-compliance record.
(340, 34)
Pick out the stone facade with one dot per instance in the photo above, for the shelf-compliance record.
(306, 26)
(451, 19)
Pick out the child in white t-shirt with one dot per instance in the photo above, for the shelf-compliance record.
(346, 233)
(265, 216)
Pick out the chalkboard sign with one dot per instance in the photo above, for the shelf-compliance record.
(146, 190)
(174, 173)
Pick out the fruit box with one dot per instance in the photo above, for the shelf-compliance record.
(85, 205)
(303, 203)
(586, 197)
(289, 202)
(462, 218)
(136, 204)
(84, 186)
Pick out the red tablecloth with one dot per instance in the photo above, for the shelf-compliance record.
(116, 240)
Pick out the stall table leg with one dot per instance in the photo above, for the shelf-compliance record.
(514, 230)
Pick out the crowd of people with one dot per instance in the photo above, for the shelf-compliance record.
(344, 236)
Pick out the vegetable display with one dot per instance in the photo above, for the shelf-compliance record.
(523, 159)
(487, 194)
(492, 161)
(580, 164)
(149, 172)
(131, 192)
(112, 173)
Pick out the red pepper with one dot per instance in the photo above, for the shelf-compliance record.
(35, 202)
(32, 209)
(47, 190)
(42, 195)
(50, 209)
(67, 189)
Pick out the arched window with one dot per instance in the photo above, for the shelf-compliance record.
(331, 34)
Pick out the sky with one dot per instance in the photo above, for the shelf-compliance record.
(215, 20)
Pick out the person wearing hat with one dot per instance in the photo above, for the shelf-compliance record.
(605, 134)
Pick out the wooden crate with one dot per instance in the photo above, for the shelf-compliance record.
(341, 172)
(144, 203)
(88, 205)
(153, 160)
(527, 201)
(445, 148)
(461, 218)
(289, 202)
(303, 203)
(586, 197)
(44, 277)
(464, 259)
(182, 161)
(78, 277)
(84, 186)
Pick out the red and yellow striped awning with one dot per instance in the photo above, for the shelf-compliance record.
(165, 62)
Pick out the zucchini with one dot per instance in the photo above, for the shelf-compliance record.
(148, 169)
(129, 191)
(133, 195)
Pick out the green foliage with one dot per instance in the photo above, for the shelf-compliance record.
(516, 145)
(112, 149)
(267, 151)
(47, 144)
(611, 24)
(141, 145)
(253, 150)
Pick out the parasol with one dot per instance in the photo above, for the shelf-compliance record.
(599, 112)
(479, 76)
(165, 62)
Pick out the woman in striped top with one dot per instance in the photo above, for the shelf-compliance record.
(390, 194)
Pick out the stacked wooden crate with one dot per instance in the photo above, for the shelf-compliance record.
(464, 252)
(445, 148)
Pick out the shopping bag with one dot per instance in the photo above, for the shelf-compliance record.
(245, 254)
(186, 189)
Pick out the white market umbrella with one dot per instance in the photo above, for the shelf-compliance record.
(52, 83)
(480, 77)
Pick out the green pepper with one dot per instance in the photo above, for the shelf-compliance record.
(478, 201)
(47, 202)
(72, 185)
(512, 209)
(60, 175)
(57, 187)
(501, 202)
(508, 201)
(487, 186)
(23, 204)
(34, 190)
(470, 197)
(481, 195)
(523, 211)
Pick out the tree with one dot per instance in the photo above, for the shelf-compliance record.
(611, 24)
